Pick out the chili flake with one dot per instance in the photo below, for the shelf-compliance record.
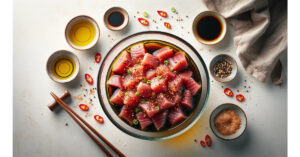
(89, 79)
(208, 140)
(240, 98)
(167, 25)
(202, 143)
(143, 21)
(162, 13)
(98, 57)
(228, 92)
(99, 119)
(84, 107)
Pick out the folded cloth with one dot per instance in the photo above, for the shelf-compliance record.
(260, 38)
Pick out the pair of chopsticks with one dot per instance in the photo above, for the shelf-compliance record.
(72, 113)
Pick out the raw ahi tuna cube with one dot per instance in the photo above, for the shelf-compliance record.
(115, 81)
(159, 119)
(150, 61)
(137, 71)
(176, 98)
(150, 74)
(117, 97)
(191, 84)
(129, 82)
(127, 114)
(144, 90)
(143, 119)
(137, 51)
(176, 115)
(163, 54)
(178, 62)
(149, 108)
(186, 100)
(131, 99)
(123, 62)
(175, 84)
(165, 72)
(159, 85)
(186, 73)
(163, 102)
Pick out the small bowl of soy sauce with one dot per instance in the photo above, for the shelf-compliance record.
(209, 27)
(116, 18)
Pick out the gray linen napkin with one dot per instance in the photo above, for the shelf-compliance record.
(260, 28)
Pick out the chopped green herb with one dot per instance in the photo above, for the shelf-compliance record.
(157, 108)
(137, 109)
(159, 77)
(137, 93)
(128, 71)
(127, 93)
(146, 15)
(145, 80)
(166, 62)
(135, 122)
(148, 81)
(142, 100)
(173, 9)
(171, 68)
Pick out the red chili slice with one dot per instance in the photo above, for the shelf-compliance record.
(208, 140)
(240, 98)
(228, 92)
(202, 143)
(143, 21)
(98, 57)
(89, 79)
(162, 13)
(99, 119)
(167, 25)
(84, 107)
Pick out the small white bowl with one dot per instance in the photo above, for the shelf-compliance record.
(229, 59)
(219, 17)
(89, 19)
(116, 9)
(54, 56)
(239, 111)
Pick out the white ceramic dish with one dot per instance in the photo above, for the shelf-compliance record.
(89, 19)
(116, 9)
(219, 17)
(239, 111)
(57, 54)
(229, 59)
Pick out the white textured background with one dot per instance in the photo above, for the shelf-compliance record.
(39, 31)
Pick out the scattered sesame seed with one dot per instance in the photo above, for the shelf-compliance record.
(66, 124)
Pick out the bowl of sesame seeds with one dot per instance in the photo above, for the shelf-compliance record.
(223, 68)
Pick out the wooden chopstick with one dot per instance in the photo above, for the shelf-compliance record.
(69, 110)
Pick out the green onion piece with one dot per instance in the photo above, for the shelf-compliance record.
(146, 14)
(135, 122)
(157, 108)
(137, 109)
(173, 9)
(171, 68)
(166, 62)
(137, 93)
(127, 93)
(148, 81)
(128, 71)
(159, 77)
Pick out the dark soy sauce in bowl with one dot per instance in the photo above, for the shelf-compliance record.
(209, 28)
(116, 19)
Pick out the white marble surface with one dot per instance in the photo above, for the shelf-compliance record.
(39, 31)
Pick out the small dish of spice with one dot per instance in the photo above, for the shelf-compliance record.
(228, 121)
(223, 68)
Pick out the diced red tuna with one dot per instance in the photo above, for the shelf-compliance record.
(175, 84)
(186, 100)
(163, 102)
(176, 98)
(159, 85)
(191, 84)
(176, 115)
(159, 119)
(137, 51)
(115, 81)
(127, 114)
(178, 62)
(186, 73)
(131, 99)
(163, 54)
(165, 72)
(150, 74)
(150, 61)
(129, 82)
(143, 119)
(149, 108)
(123, 62)
(137, 71)
(117, 97)
(144, 90)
